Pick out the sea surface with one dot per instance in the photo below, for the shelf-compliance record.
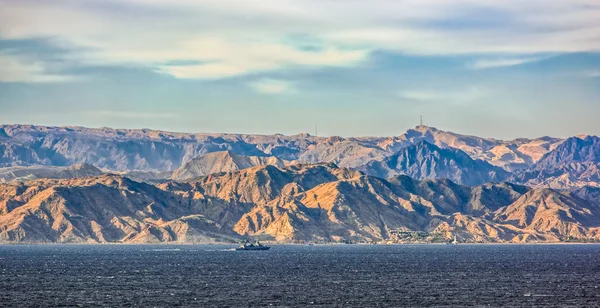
(300, 276)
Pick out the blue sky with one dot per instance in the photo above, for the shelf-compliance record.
(500, 69)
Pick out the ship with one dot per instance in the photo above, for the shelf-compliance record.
(253, 246)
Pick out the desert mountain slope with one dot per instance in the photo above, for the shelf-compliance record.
(551, 212)
(590, 194)
(101, 209)
(426, 161)
(572, 150)
(35, 172)
(310, 202)
(511, 155)
(225, 161)
(152, 150)
(347, 152)
(327, 203)
(574, 163)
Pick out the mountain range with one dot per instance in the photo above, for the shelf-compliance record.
(74, 184)
(151, 150)
(310, 202)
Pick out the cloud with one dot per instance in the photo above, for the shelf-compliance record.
(18, 69)
(431, 95)
(503, 62)
(422, 95)
(204, 71)
(592, 74)
(230, 38)
(272, 86)
(495, 63)
(223, 59)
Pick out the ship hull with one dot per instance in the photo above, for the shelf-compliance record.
(253, 248)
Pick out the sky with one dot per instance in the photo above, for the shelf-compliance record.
(501, 69)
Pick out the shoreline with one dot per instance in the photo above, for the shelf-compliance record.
(290, 244)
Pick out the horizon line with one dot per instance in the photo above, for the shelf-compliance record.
(280, 134)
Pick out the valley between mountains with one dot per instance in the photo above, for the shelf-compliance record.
(83, 185)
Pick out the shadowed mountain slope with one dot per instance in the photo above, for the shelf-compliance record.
(152, 150)
(574, 163)
(426, 161)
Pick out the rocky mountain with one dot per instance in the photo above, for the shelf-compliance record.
(305, 202)
(572, 150)
(350, 152)
(424, 160)
(101, 209)
(225, 161)
(548, 211)
(511, 155)
(34, 172)
(590, 194)
(151, 150)
(129, 149)
(574, 163)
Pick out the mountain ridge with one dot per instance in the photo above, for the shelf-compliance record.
(156, 156)
(301, 202)
(154, 150)
(574, 163)
(424, 160)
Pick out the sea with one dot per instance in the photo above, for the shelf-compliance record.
(300, 276)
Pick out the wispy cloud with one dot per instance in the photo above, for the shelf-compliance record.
(592, 74)
(19, 69)
(234, 38)
(503, 62)
(449, 96)
(224, 59)
(272, 86)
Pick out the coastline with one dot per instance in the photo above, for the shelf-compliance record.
(289, 244)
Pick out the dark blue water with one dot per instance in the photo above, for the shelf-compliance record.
(290, 276)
